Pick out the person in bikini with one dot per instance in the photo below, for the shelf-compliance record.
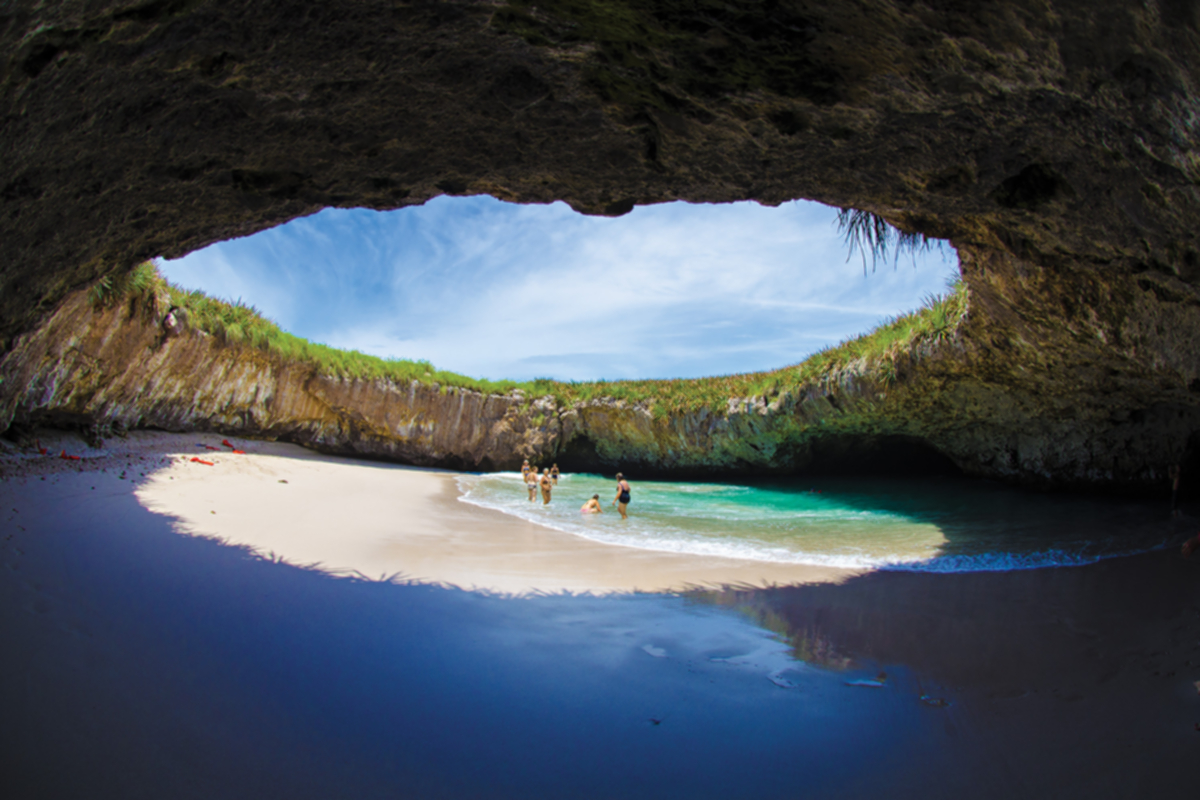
(621, 501)
(531, 483)
(546, 486)
(592, 506)
(554, 474)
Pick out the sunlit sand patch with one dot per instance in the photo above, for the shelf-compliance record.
(388, 522)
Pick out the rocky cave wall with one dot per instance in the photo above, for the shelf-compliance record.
(1052, 142)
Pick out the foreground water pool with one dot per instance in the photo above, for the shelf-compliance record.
(927, 524)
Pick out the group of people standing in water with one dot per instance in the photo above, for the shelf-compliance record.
(548, 479)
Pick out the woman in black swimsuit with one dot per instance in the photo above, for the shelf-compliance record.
(622, 498)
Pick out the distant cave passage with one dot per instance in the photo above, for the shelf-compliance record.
(897, 456)
(580, 455)
(847, 455)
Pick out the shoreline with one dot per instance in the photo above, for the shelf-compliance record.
(379, 520)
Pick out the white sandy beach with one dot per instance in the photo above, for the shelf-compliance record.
(384, 521)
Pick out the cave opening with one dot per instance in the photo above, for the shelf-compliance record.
(877, 456)
(836, 456)
(502, 291)
(580, 455)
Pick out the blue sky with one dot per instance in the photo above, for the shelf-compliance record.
(498, 290)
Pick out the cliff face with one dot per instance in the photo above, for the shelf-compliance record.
(1055, 378)
(1054, 142)
(114, 369)
(1008, 395)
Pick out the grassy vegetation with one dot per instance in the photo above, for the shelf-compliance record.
(240, 324)
(876, 350)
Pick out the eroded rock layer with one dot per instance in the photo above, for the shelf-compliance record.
(1053, 142)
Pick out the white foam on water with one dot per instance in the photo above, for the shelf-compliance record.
(783, 526)
(656, 530)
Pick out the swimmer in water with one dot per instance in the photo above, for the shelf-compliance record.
(592, 506)
(554, 474)
(621, 501)
(546, 486)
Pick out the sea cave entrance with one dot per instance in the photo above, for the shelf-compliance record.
(505, 292)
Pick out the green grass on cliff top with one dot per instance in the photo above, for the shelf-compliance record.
(237, 324)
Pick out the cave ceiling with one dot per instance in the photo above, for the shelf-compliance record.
(1060, 133)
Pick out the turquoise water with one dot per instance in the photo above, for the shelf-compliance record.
(928, 524)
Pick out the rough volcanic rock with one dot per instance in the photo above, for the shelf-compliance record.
(1053, 142)
(1060, 132)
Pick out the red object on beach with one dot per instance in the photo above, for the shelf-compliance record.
(201, 461)
(64, 455)
(210, 447)
(226, 443)
(40, 449)
(243, 452)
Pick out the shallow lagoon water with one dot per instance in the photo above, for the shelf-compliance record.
(926, 524)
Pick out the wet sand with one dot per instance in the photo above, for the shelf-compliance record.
(147, 657)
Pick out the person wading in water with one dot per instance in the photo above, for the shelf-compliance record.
(531, 483)
(546, 486)
(621, 501)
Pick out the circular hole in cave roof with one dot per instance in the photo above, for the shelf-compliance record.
(503, 291)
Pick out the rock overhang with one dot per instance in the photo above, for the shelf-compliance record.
(1057, 132)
